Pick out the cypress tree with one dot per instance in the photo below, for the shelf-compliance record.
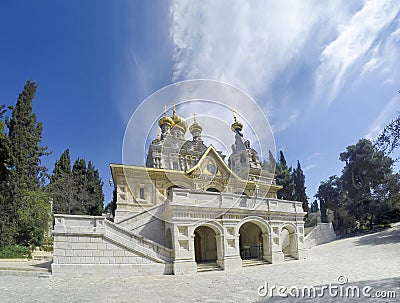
(81, 195)
(24, 173)
(7, 213)
(25, 134)
(299, 187)
(62, 187)
(284, 178)
(95, 190)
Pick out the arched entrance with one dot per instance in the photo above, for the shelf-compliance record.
(251, 241)
(213, 190)
(288, 242)
(205, 244)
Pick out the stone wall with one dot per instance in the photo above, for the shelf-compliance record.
(86, 245)
(322, 233)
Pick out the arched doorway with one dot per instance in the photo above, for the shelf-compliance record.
(213, 190)
(251, 241)
(205, 244)
(288, 242)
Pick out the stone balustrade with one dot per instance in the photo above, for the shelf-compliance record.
(229, 201)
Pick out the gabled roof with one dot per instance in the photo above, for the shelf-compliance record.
(212, 152)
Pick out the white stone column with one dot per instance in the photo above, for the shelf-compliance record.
(276, 249)
(231, 253)
(183, 244)
(267, 247)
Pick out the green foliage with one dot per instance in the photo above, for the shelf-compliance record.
(112, 206)
(299, 193)
(34, 215)
(293, 182)
(78, 191)
(25, 134)
(284, 178)
(15, 252)
(4, 150)
(366, 190)
(24, 211)
(389, 139)
(269, 165)
(314, 207)
(329, 195)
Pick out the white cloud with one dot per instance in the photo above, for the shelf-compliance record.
(353, 43)
(247, 43)
(384, 117)
(308, 167)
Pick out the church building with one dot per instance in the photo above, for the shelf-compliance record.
(189, 209)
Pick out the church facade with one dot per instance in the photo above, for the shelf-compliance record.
(188, 209)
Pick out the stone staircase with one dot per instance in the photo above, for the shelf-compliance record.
(137, 220)
(254, 262)
(208, 266)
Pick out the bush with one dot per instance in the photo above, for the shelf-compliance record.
(15, 252)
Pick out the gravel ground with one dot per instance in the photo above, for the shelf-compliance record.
(370, 260)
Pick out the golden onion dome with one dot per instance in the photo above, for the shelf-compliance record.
(195, 126)
(165, 119)
(236, 125)
(178, 120)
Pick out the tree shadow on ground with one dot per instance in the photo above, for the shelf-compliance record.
(389, 236)
(386, 290)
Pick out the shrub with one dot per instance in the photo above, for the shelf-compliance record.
(15, 252)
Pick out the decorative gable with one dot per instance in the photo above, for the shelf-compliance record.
(211, 164)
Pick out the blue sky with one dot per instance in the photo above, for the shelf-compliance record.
(325, 73)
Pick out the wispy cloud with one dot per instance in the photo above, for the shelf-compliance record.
(352, 45)
(308, 167)
(245, 43)
(384, 117)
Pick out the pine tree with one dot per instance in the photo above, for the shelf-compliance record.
(299, 187)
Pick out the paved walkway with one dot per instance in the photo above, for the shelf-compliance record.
(369, 260)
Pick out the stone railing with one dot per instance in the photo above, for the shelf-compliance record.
(66, 225)
(228, 201)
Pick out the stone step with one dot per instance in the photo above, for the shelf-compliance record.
(254, 262)
(202, 267)
(289, 258)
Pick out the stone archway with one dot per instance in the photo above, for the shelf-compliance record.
(205, 244)
(213, 190)
(251, 241)
(288, 240)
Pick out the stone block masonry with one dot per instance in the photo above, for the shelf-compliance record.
(86, 245)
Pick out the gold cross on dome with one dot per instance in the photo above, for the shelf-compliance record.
(165, 110)
(174, 107)
(234, 113)
(194, 117)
